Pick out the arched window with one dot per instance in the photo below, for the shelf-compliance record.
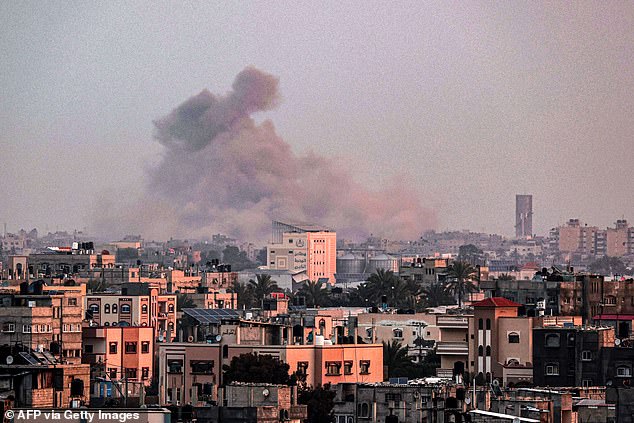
(480, 351)
(488, 351)
(144, 308)
(514, 338)
(225, 351)
(170, 308)
(398, 333)
(480, 324)
(552, 340)
(94, 308)
(488, 324)
(624, 371)
(114, 308)
(488, 377)
(106, 308)
(125, 308)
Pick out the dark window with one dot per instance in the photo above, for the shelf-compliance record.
(347, 367)
(488, 351)
(72, 301)
(480, 324)
(488, 324)
(225, 351)
(114, 308)
(174, 366)
(552, 340)
(106, 308)
(144, 308)
(302, 367)
(145, 347)
(112, 372)
(480, 351)
(113, 348)
(130, 373)
(514, 338)
(125, 309)
(145, 373)
(130, 347)
(333, 368)
(202, 367)
(88, 348)
(364, 367)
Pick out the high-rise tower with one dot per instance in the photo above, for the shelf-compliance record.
(523, 216)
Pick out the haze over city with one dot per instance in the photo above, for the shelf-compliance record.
(423, 116)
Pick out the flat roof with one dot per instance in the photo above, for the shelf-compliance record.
(503, 416)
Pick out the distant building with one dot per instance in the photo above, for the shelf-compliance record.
(304, 248)
(523, 216)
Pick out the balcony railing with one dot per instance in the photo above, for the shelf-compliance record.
(452, 348)
(452, 322)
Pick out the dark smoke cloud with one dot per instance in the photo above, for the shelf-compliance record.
(223, 172)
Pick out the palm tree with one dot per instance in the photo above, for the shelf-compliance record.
(378, 284)
(395, 358)
(244, 293)
(315, 293)
(434, 295)
(263, 287)
(460, 283)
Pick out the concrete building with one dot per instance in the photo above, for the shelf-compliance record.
(523, 216)
(117, 354)
(303, 248)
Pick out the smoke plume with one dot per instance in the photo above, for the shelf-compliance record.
(223, 172)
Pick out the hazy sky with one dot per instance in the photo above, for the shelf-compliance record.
(468, 102)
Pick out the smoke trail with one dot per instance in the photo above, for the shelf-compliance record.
(223, 172)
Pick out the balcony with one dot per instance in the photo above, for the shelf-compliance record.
(452, 348)
(452, 322)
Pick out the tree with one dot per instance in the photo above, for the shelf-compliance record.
(385, 283)
(460, 282)
(608, 266)
(434, 295)
(262, 287)
(236, 258)
(315, 293)
(184, 301)
(244, 293)
(257, 368)
(320, 403)
(470, 254)
(396, 359)
(505, 277)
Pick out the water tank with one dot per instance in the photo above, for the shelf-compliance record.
(381, 261)
(319, 340)
(350, 264)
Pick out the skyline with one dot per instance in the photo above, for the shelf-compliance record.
(466, 104)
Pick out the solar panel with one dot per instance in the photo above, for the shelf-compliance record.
(49, 357)
(29, 359)
(40, 357)
(213, 316)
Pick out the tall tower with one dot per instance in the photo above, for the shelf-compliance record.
(523, 216)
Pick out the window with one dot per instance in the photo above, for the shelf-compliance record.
(113, 348)
(302, 367)
(145, 347)
(364, 367)
(94, 308)
(363, 410)
(26, 328)
(106, 308)
(398, 333)
(130, 347)
(488, 324)
(586, 383)
(170, 308)
(609, 300)
(624, 371)
(112, 373)
(174, 366)
(144, 309)
(333, 368)
(130, 373)
(8, 327)
(125, 309)
(347, 367)
(488, 351)
(480, 324)
(480, 351)
(552, 340)
(72, 301)
(586, 355)
(225, 351)
(514, 338)
(145, 373)
(552, 369)
(392, 397)
(202, 367)
(88, 349)
(368, 333)
(114, 308)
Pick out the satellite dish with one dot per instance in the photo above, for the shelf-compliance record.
(467, 400)
(496, 383)
(9, 359)
(218, 338)
(265, 392)
(190, 338)
(416, 394)
(617, 342)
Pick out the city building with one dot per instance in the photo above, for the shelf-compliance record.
(523, 216)
(304, 248)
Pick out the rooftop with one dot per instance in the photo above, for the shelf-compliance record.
(496, 302)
